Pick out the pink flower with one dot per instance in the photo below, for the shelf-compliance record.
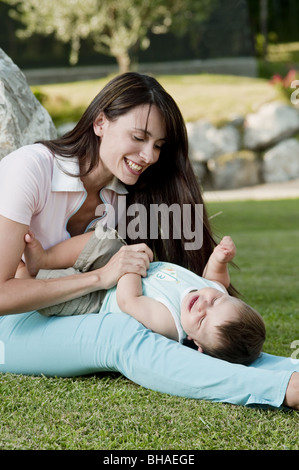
(286, 81)
(276, 79)
(289, 78)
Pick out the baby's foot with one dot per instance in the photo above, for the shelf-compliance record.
(34, 254)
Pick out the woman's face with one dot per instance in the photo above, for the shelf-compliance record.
(131, 143)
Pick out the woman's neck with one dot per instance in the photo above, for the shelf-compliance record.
(97, 179)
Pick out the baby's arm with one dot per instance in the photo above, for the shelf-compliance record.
(60, 256)
(216, 268)
(148, 311)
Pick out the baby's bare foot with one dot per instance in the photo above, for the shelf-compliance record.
(34, 253)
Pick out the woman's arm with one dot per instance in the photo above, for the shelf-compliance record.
(148, 311)
(22, 295)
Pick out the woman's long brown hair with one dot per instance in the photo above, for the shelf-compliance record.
(169, 181)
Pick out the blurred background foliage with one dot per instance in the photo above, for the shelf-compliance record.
(42, 34)
(39, 33)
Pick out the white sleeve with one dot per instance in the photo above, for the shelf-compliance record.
(24, 177)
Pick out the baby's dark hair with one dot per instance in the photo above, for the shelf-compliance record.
(240, 341)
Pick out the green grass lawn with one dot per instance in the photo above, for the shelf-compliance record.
(213, 97)
(216, 98)
(107, 411)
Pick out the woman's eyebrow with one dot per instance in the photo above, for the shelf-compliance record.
(148, 133)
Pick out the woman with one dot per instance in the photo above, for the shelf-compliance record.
(132, 132)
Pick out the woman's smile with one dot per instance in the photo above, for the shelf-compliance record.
(133, 166)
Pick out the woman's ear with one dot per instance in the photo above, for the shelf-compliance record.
(98, 124)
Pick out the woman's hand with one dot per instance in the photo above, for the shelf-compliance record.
(292, 392)
(129, 259)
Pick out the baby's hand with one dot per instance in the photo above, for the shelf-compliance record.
(225, 251)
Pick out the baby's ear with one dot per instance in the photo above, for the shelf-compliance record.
(199, 348)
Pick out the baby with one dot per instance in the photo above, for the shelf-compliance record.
(170, 300)
(179, 304)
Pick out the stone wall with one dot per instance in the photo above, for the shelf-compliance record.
(261, 147)
(22, 118)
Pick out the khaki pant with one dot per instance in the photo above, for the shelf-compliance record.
(102, 245)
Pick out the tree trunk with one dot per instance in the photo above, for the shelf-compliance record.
(124, 62)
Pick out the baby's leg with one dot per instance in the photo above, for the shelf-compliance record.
(60, 256)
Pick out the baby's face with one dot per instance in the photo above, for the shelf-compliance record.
(205, 309)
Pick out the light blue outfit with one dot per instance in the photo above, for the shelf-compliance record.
(77, 345)
(168, 283)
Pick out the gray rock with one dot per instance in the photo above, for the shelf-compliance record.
(200, 171)
(64, 128)
(200, 146)
(281, 162)
(23, 120)
(207, 141)
(236, 170)
(273, 122)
